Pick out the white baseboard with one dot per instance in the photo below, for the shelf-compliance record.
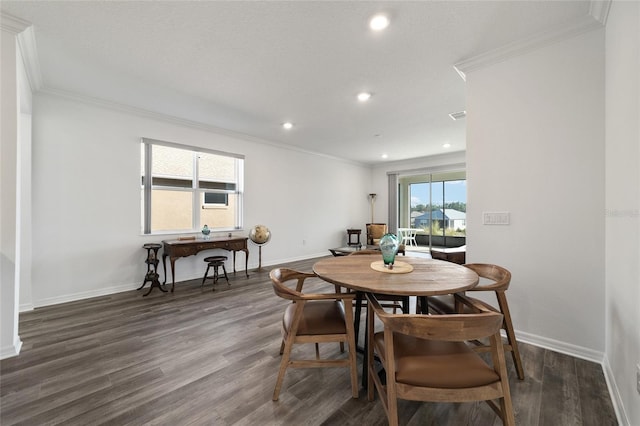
(11, 351)
(586, 354)
(296, 259)
(562, 347)
(616, 399)
(105, 291)
(26, 307)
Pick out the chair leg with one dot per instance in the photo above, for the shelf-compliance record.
(284, 363)
(351, 343)
(369, 355)
(405, 304)
(205, 276)
(356, 321)
(508, 418)
(511, 337)
(225, 274)
(390, 391)
(215, 274)
(423, 303)
(497, 355)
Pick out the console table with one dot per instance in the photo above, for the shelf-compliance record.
(175, 249)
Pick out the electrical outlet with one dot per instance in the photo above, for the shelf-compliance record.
(638, 378)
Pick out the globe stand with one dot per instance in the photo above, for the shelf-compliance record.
(260, 257)
(260, 235)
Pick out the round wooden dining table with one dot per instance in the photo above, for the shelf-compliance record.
(428, 277)
(425, 277)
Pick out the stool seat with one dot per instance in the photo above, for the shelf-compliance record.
(215, 258)
(215, 262)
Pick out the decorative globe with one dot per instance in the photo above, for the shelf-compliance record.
(260, 234)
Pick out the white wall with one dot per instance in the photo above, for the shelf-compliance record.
(24, 201)
(623, 204)
(86, 198)
(535, 148)
(10, 264)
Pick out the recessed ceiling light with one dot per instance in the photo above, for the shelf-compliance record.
(385, 156)
(379, 22)
(287, 125)
(364, 96)
(446, 145)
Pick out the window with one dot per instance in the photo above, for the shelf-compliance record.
(215, 199)
(184, 188)
(436, 204)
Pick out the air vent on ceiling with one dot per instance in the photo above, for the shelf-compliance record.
(458, 115)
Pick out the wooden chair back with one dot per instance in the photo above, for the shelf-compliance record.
(500, 276)
(281, 275)
(451, 328)
(375, 231)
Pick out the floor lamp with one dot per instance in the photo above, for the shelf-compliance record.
(372, 198)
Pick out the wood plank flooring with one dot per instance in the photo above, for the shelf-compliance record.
(202, 357)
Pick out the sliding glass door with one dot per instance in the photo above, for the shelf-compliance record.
(436, 205)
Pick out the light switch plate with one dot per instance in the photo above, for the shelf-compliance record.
(496, 218)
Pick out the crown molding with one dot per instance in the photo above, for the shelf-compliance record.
(560, 32)
(145, 113)
(26, 38)
(448, 161)
(599, 9)
(27, 45)
(13, 24)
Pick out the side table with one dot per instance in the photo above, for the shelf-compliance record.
(355, 232)
(152, 261)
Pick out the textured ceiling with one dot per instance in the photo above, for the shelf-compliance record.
(249, 66)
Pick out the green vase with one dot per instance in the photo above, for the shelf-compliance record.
(389, 246)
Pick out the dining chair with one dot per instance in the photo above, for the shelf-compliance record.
(408, 236)
(495, 279)
(426, 358)
(375, 231)
(313, 318)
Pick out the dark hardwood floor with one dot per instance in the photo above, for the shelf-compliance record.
(197, 357)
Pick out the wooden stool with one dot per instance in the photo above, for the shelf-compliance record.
(215, 262)
(152, 268)
(355, 232)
